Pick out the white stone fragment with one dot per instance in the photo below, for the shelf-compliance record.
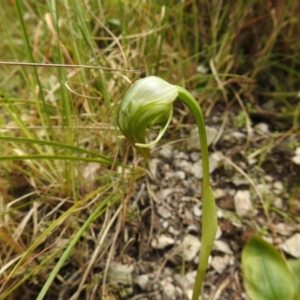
(183, 165)
(202, 69)
(283, 229)
(219, 263)
(163, 212)
(222, 247)
(296, 159)
(297, 151)
(219, 233)
(186, 281)
(193, 142)
(197, 211)
(278, 186)
(219, 193)
(237, 135)
(292, 245)
(166, 152)
(162, 241)
(189, 247)
(180, 174)
(242, 203)
(168, 289)
(195, 156)
(262, 128)
(142, 281)
(278, 203)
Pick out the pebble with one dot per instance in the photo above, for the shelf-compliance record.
(278, 187)
(238, 135)
(218, 233)
(197, 211)
(162, 241)
(195, 156)
(142, 281)
(242, 203)
(193, 142)
(168, 289)
(163, 212)
(219, 263)
(186, 281)
(222, 247)
(292, 245)
(296, 159)
(183, 165)
(219, 193)
(283, 229)
(278, 203)
(261, 128)
(189, 247)
(166, 152)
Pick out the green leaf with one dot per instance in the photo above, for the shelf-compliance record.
(295, 266)
(266, 273)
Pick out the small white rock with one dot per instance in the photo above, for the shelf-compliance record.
(142, 281)
(186, 281)
(278, 186)
(197, 211)
(242, 203)
(297, 151)
(252, 161)
(219, 193)
(237, 135)
(296, 159)
(166, 152)
(162, 242)
(189, 247)
(163, 212)
(292, 245)
(193, 142)
(278, 203)
(219, 263)
(261, 128)
(222, 247)
(183, 165)
(180, 175)
(202, 69)
(219, 233)
(195, 156)
(168, 289)
(173, 231)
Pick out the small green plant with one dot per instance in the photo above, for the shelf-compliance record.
(149, 102)
(267, 275)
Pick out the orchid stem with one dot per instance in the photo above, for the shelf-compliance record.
(209, 215)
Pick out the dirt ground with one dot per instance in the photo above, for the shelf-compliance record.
(249, 159)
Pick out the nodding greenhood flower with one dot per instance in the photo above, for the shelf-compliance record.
(147, 103)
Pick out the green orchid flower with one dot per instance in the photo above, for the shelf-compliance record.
(147, 103)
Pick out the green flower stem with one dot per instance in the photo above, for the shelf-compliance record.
(209, 212)
(189, 100)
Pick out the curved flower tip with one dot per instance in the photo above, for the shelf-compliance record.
(148, 102)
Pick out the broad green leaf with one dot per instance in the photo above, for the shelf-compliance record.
(295, 266)
(266, 273)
